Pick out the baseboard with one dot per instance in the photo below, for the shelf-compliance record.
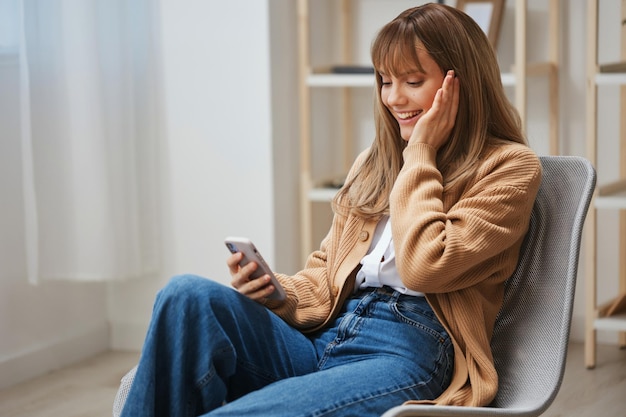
(128, 335)
(54, 355)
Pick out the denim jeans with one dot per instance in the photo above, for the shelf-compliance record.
(211, 351)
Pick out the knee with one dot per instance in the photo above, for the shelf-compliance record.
(191, 295)
(185, 283)
(189, 287)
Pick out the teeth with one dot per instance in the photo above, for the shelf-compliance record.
(408, 115)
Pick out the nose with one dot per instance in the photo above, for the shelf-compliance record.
(395, 95)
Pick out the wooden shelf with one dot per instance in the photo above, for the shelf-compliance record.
(608, 196)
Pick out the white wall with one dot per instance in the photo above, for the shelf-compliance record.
(217, 152)
(50, 325)
(217, 179)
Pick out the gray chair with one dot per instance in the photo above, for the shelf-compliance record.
(532, 330)
(531, 336)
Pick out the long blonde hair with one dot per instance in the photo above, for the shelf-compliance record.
(485, 115)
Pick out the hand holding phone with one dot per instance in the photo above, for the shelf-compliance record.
(250, 253)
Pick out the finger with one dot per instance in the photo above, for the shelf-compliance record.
(233, 262)
(257, 289)
(440, 118)
(242, 276)
(447, 92)
(439, 106)
(452, 96)
(456, 98)
(445, 103)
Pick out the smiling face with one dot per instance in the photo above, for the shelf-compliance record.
(408, 94)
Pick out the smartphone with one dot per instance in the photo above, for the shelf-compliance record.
(250, 253)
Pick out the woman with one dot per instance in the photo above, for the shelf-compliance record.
(400, 301)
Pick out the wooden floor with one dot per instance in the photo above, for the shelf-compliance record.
(87, 389)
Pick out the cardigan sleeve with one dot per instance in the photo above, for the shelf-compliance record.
(308, 293)
(440, 245)
(311, 293)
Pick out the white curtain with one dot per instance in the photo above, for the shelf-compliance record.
(88, 106)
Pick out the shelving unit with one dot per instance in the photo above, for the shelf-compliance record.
(311, 79)
(608, 196)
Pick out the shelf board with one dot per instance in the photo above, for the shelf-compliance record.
(613, 323)
(613, 187)
(367, 80)
(322, 194)
(613, 201)
(508, 79)
(340, 80)
(615, 78)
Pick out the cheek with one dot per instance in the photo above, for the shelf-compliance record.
(429, 97)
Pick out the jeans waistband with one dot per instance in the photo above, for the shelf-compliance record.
(385, 292)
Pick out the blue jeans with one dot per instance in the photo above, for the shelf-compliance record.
(211, 351)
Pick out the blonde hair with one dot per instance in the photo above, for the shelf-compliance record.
(485, 116)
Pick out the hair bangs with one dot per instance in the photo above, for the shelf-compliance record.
(395, 50)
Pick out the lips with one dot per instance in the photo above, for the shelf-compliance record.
(407, 115)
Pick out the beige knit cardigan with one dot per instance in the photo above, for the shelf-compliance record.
(456, 247)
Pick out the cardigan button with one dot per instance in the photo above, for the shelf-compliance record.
(335, 290)
(364, 235)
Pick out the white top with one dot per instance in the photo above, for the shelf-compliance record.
(379, 265)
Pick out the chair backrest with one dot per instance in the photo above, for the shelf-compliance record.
(532, 330)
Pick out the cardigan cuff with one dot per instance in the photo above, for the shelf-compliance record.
(420, 153)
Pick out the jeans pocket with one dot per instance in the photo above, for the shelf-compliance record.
(416, 312)
(430, 335)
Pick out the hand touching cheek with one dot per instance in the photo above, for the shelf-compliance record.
(434, 127)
